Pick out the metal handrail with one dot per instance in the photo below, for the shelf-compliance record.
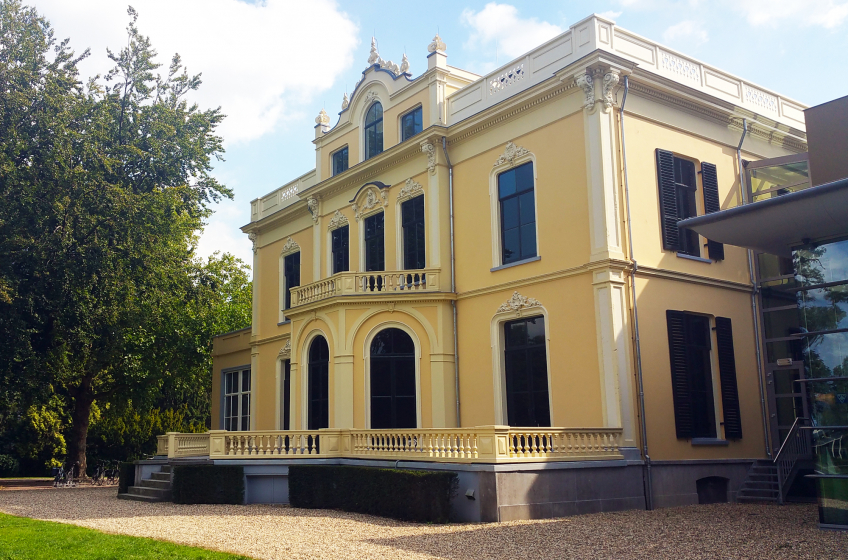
(794, 447)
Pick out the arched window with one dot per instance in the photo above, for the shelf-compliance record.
(393, 403)
(374, 131)
(319, 384)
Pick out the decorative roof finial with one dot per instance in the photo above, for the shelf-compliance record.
(437, 45)
(404, 65)
(323, 118)
(345, 102)
(374, 57)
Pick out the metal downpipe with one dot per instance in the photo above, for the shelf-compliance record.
(648, 481)
(754, 291)
(453, 282)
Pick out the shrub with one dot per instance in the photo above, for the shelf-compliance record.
(126, 477)
(401, 494)
(208, 484)
(8, 466)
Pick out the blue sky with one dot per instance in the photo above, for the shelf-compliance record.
(272, 65)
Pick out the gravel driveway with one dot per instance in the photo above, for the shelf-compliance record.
(714, 531)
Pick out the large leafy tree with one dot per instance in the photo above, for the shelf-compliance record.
(104, 185)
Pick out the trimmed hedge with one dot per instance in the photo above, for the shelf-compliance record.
(126, 477)
(400, 494)
(208, 484)
(8, 466)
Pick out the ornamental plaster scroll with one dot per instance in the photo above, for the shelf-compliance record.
(338, 220)
(410, 189)
(373, 199)
(587, 84)
(371, 96)
(437, 45)
(252, 237)
(404, 65)
(611, 79)
(518, 302)
(511, 153)
(291, 246)
(345, 102)
(323, 118)
(430, 149)
(312, 204)
(285, 350)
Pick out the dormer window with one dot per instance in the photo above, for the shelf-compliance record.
(374, 131)
(340, 161)
(410, 124)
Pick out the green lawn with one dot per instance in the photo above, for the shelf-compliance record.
(21, 537)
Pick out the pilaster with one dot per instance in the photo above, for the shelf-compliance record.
(598, 84)
(613, 351)
(343, 391)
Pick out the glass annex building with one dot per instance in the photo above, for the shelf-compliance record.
(796, 225)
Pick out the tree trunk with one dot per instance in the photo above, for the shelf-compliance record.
(79, 428)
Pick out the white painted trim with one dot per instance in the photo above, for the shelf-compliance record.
(281, 302)
(361, 229)
(495, 207)
(399, 230)
(304, 376)
(498, 365)
(366, 357)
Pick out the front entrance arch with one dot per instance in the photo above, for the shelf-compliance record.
(392, 381)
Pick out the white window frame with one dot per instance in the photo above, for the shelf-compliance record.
(523, 157)
(400, 123)
(241, 371)
(366, 356)
(499, 360)
(414, 190)
(331, 227)
(332, 158)
(290, 248)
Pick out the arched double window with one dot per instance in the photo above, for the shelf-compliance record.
(374, 130)
(393, 401)
(318, 384)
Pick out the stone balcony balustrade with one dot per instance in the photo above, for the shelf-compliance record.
(367, 283)
(482, 444)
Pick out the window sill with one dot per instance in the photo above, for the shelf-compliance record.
(516, 263)
(692, 258)
(286, 322)
(709, 441)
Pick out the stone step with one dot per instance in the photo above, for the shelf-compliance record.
(160, 484)
(166, 468)
(161, 476)
(137, 498)
(757, 499)
(151, 492)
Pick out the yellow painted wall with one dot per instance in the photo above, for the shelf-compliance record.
(655, 296)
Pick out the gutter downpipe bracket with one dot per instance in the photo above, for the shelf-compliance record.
(647, 477)
(453, 282)
(743, 187)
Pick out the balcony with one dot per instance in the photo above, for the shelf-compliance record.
(366, 283)
(482, 444)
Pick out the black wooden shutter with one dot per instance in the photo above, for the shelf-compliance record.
(668, 200)
(727, 376)
(709, 178)
(679, 373)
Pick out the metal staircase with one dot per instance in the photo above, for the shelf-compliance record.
(157, 488)
(761, 484)
(770, 481)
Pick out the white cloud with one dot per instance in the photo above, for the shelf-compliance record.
(610, 14)
(261, 62)
(499, 26)
(825, 13)
(690, 32)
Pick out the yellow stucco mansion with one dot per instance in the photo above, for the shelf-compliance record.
(485, 273)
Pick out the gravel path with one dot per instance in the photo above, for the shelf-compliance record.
(714, 531)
